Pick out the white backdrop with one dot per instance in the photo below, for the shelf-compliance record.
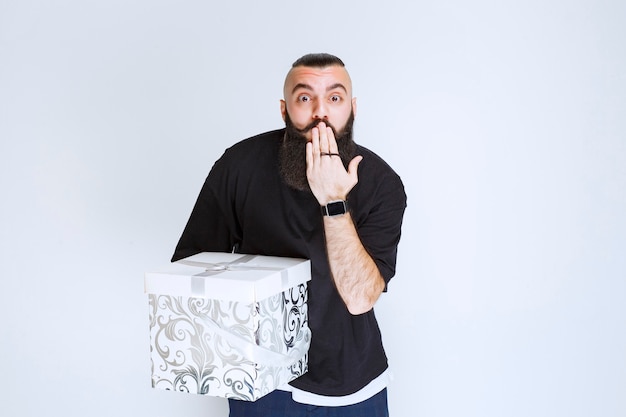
(506, 121)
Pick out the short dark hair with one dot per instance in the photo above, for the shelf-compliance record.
(321, 60)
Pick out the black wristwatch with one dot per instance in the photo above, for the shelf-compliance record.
(335, 208)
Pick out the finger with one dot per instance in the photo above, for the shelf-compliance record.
(323, 137)
(309, 154)
(332, 142)
(315, 141)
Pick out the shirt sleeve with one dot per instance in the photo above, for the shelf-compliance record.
(379, 224)
(212, 225)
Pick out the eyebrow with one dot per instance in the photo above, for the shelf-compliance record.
(308, 87)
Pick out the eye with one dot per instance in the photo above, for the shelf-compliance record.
(304, 99)
(335, 99)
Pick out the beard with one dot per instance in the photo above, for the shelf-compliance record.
(292, 153)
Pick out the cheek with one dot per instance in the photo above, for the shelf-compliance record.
(299, 118)
(341, 118)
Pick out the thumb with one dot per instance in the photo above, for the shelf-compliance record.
(353, 165)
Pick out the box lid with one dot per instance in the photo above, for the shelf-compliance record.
(228, 276)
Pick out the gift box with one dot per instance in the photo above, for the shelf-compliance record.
(228, 325)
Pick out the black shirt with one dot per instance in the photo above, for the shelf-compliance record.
(244, 204)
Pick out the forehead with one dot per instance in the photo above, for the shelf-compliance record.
(318, 78)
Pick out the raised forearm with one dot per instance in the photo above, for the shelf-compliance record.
(355, 273)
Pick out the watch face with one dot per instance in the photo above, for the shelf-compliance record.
(336, 208)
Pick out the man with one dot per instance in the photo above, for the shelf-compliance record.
(309, 191)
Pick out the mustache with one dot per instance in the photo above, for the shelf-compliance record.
(313, 124)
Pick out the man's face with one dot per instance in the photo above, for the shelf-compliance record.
(314, 94)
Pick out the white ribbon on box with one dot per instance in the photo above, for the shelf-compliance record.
(211, 269)
(262, 355)
(236, 265)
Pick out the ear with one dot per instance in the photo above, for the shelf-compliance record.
(283, 109)
(354, 106)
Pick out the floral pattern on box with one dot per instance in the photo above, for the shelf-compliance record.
(227, 348)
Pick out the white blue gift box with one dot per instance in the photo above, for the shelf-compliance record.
(228, 325)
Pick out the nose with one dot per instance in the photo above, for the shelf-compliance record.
(320, 111)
